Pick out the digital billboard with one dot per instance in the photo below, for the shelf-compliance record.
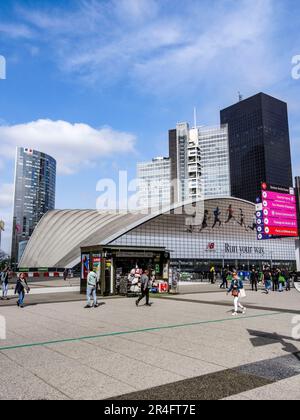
(276, 213)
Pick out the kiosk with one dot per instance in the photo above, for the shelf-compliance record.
(114, 263)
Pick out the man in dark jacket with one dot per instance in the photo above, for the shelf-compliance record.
(276, 276)
(20, 289)
(224, 284)
(145, 288)
(254, 280)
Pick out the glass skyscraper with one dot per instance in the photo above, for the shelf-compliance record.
(199, 162)
(154, 183)
(214, 150)
(35, 183)
(259, 145)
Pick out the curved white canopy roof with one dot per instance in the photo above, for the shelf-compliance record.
(60, 234)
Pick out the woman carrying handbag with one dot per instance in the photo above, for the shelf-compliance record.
(237, 290)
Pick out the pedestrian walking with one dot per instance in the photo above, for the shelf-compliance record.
(276, 275)
(224, 284)
(91, 290)
(21, 288)
(212, 275)
(66, 274)
(288, 279)
(4, 282)
(254, 280)
(282, 281)
(236, 289)
(145, 289)
(267, 280)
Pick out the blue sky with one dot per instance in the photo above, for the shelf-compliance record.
(98, 83)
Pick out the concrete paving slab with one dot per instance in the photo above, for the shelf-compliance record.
(149, 352)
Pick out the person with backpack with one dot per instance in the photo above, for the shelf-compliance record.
(92, 283)
(4, 280)
(236, 289)
(20, 289)
(145, 288)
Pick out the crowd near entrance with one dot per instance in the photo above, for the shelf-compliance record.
(200, 270)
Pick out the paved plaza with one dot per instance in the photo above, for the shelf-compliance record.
(186, 347)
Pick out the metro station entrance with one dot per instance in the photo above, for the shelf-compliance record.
(114, 265)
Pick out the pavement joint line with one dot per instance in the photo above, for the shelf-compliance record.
(123, 333)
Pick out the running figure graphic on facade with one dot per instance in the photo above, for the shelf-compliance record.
(242, 220)
(230, 214)
(217, 214)
(205, 220)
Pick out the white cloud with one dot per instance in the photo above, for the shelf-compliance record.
(136, 10)
(6, 195)
(162, 46)
(235, 46)
(12, 30)
(72, 145)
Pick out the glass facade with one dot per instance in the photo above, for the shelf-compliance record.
(224, 234)
(154, 183)
(259, 145)
(35, 183)
(214, 149)
(200, 162)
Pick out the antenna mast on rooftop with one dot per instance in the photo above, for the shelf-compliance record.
(195, 117)
(241, 98)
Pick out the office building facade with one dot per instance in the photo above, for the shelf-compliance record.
(199, 162)
(35, 184)
(259, 145)
(154, 180)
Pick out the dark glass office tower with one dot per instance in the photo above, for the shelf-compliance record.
(259, 145)
(35, 182)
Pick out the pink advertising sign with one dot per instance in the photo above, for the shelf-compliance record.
(279, 211)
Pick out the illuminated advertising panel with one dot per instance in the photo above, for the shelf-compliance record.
(277, 213)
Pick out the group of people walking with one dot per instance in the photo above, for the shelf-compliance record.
(21, 287)
(276, 280)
